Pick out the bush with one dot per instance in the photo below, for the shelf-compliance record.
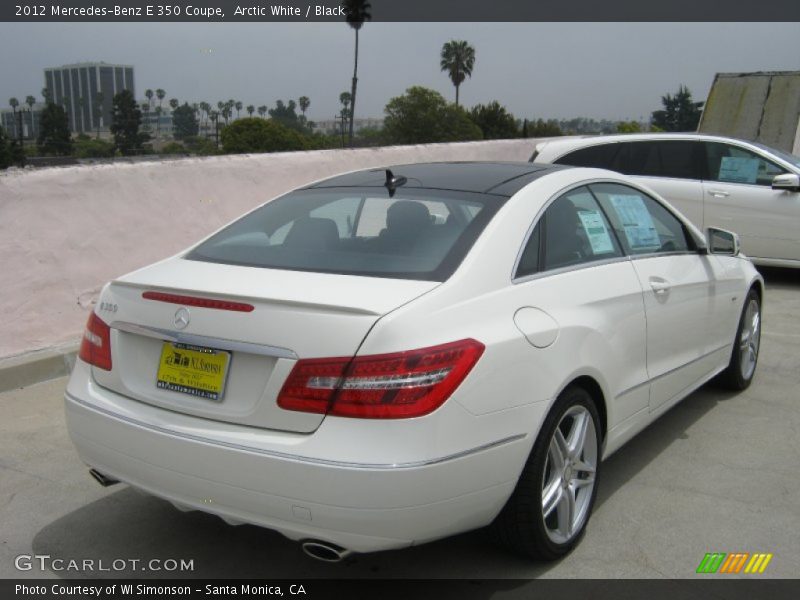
(89, 148)
(260, 135)
(173, 148)
(201, 146)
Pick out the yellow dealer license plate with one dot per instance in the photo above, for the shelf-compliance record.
(193, 370)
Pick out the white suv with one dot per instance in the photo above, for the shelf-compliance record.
(715, 181)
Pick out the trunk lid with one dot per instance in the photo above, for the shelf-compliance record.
(294, 315)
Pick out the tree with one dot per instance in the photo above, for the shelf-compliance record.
(262, 110)
(14, 103)
(251, 109)
(458, 60)
(628, 127)
(238, 105)
(525, 133)
(680, 113)
(495, 121)
(259, 135)
(5, 151)
(30, 101)
(542, 128)
(184, 122)
(422, 116)
(344, 114)
(54, 135)
(149, 95)
(286, 115)
(125, 121)
(173, 103)
(356, 12)
(304, 103)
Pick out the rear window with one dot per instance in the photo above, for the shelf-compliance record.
(417, 234)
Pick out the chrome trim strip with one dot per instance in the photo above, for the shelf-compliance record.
(671, 371)
(202, 340)
(294, 457)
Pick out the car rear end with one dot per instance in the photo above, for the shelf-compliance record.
(229, 379)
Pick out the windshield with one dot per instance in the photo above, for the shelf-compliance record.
(417, 234)
(790, 158)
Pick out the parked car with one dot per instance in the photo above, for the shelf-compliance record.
(716, 181)
(388, 357)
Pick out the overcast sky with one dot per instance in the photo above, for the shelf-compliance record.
(600, 70)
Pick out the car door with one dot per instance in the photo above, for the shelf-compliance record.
(679, 289)
(738, 197)
(573, 274)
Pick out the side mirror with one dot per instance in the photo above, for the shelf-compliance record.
(787, 181)
(722, 242)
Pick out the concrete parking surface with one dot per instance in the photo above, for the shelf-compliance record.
(719, 472)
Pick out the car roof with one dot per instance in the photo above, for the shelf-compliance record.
(569, 143)
(498, 178)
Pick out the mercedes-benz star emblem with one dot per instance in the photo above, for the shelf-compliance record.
(182, 317)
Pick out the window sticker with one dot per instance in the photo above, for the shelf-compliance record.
(736, 169)
(596, 231)
(636, 221)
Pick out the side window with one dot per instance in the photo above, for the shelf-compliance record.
(594, 156)
(732, 164)
(529, 261)
(572, 231)
(668, 158)
(643, 225)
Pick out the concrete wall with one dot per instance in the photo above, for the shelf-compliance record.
(763, 107)
(65, 231)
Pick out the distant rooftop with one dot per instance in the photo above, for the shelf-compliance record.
(89, 64)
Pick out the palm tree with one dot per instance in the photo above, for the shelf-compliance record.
(345, 115)
(98, 110)
(173, 103)
(262, 110)
(160, 94)
(149, 95)
(215, 119)
(250, 109)
(14, 104)
(458, 59)
(46, 95)
(30, 101)
(238, 106)
(304, 103)
(356, 13)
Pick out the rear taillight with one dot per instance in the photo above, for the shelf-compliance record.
(383, 386)
(96, 343)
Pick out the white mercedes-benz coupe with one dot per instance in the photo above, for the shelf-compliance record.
(393, 356)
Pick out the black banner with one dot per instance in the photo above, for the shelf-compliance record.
(402, 10)
(386, 589)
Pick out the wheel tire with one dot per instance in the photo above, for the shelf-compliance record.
(522, 524)
(744, 357)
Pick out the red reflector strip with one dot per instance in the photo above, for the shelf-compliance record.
(201, 302)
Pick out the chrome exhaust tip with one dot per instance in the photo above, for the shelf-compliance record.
(103, 480)
(325, 551)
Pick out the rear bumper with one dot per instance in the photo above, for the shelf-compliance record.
(359, 507)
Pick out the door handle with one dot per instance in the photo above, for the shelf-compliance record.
(660, 287)
(719, 193)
